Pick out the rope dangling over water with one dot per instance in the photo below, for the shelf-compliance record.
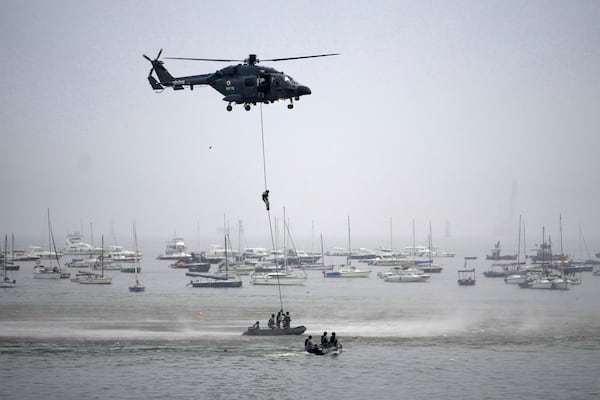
(266, 200)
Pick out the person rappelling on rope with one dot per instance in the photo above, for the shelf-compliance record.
(265, 198)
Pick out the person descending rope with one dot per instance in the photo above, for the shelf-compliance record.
(265, 198)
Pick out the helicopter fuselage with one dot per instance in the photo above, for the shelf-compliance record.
(240, 84)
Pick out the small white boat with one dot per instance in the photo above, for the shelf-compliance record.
(516, 279)
(407, 275)
(282, 278)
(347, 271)
(119, 254)
(94, 279)
(7, 283)
(43, 272)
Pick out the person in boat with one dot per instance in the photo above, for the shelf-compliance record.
(279, 318)
(308, 344)
(271, 323)
(324, 340)
(333, 340)
(287, 320)
(265, 198)
(256, 325)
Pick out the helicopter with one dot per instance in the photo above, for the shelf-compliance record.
(246, 83)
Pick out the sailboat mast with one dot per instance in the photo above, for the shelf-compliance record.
(225, 236)
(414, 249)
(391, 237)
(322, 252)
(136, 258)
(519, 244)
(5, 257)
(349, 262)
(102, 256)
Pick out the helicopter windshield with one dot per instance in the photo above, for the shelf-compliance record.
(288, 78)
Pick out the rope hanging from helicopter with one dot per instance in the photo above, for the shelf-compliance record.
(265, 198)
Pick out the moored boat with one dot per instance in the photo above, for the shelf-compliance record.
(347, 271)
(256, 331)
(282, 278)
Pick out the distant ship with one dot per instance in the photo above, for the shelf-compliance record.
(497, 256)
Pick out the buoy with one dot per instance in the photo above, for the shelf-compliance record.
(199, 313)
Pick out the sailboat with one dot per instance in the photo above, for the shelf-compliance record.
(42, 272)
(137, 286)
(95, 279)
(217, 280)
(348, 270)
(280, 276)
(9, 263)
(429, 266)
(6, 282)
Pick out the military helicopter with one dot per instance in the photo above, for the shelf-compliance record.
(245, 83)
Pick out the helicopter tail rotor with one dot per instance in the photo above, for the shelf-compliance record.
(156, 85)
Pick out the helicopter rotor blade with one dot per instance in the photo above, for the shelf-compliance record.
(159, 53)
(147, 58)
(298, 58)
(201, 59)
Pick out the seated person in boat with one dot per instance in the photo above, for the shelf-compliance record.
(308, 344)
(271, 323)
(333, 340)
(287, 320)
(256, 325)
(324, 340)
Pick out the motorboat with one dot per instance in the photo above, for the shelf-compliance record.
(387, 259)
(282, 278)
(75, 246)
(255, 253)
(407, 275)
(347, 271)
(119, 254)
(363, 254)
(516, 279)
(38, 253)
(337, 251)
(82, 262)
(256, 331)
(175, 250)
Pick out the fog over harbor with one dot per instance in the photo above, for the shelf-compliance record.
(465, 113)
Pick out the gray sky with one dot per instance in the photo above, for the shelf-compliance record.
(433, 111)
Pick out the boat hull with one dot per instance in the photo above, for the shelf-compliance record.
(217, 284)
(297, 330)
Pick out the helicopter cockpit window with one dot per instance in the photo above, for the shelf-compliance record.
(289, 79)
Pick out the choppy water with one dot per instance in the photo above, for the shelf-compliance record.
(62, 340)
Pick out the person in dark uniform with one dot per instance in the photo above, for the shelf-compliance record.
(333, 340)
(324, 340)
(271, 323)
(265, 198)
(308, 344)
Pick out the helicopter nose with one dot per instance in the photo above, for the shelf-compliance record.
(302, 90)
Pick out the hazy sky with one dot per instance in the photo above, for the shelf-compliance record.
(433, 111)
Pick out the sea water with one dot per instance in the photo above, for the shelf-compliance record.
(63, 340)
